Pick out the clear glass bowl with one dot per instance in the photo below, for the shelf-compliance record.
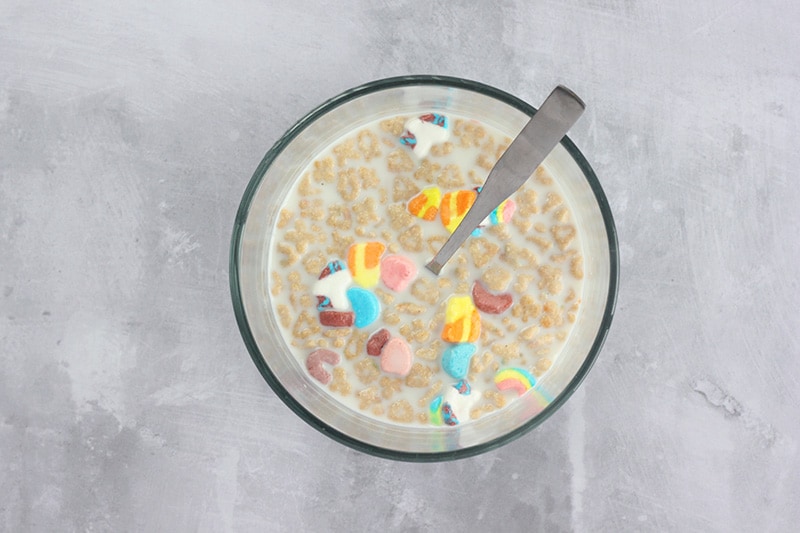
(251, 243)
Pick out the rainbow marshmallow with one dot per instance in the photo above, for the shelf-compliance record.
(516, 379)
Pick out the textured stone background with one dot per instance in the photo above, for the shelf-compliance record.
(128, 132)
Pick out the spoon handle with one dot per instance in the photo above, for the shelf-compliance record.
(536, 140)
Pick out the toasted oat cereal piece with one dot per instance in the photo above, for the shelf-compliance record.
(334, 333)
(390, 386)
(294, 281)
(427, 172)
(517, 256)
(510, 325)
(277, 283)
(488, 328)
(506, 351)
(501, 149)
(425, 290)
(488, 145)
(400, 161)
(345, 151)
(356, 346)
(348, 184)
(435, 243)
(410, 308)
(541, 227)
(368, 397)
(284, 217)
(570, 295)
(543, 176)
(420, 376)
(524, 225)
(543, 243)
(526, 308)
(340, 382)
(284, 316)
(542, 366)
(469, 133)
(305, 188)
(551, 315)
(496, 278)
(366, 211)
(439, 150)
(430, 394)
(401, 411)
(394, 126)
(526, 202)
(561, 214)
(369, 178)
(339, 342)
(562, 335)
(528, 333)
(450, 177)
(500, 231)
(422, 417)
(482, 251)
(311, 208)
(339, 217)
(542, 340)
(445, 283)
(429, 352)
(403, 189)
(481, 362)
(550, 279)
(462, 287)
(368, 144)
(415, 331)
(576, 267)
(497, 399)
(378, 410)
(553, 200)
(391, 317)
(367, 370)
(341, 243)
(290, 256)
(323, 171)
(305, 326)
(386, 297)
(485, 162)
(411, 239)
(563, 235)
(572, 316)
(314, 262)
(475, 178)
(399, 218)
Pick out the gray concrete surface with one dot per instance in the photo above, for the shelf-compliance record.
(128, 132)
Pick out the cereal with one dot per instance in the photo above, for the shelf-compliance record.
(526, 309)
(411, 239)
(563, 235)
(346, 272)
(420, 376)
(506, 351)
(400, 161)
(367, 397)
(550, 279)
(451, 177)
(314, 364)
(517, 379)
(377, 340)
(348, 184)
(415, 331)
(340, 382)
(397, 272)
(482, 251)
(401, 411)
(368, 144)
(284, 315)
(337, 319)
(576, 267)
(553, 200)
(490, 303)
(284, 217)
(345, 151)
(496, 278)
(323, 171)
(367, 371)
(390, 386)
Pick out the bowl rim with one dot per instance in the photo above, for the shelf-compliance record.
(247, 334)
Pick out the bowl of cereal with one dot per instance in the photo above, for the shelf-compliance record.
(356, 336)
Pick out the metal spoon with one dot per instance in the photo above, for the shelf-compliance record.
(536, 140)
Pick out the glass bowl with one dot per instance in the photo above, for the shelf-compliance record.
(251, 243)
